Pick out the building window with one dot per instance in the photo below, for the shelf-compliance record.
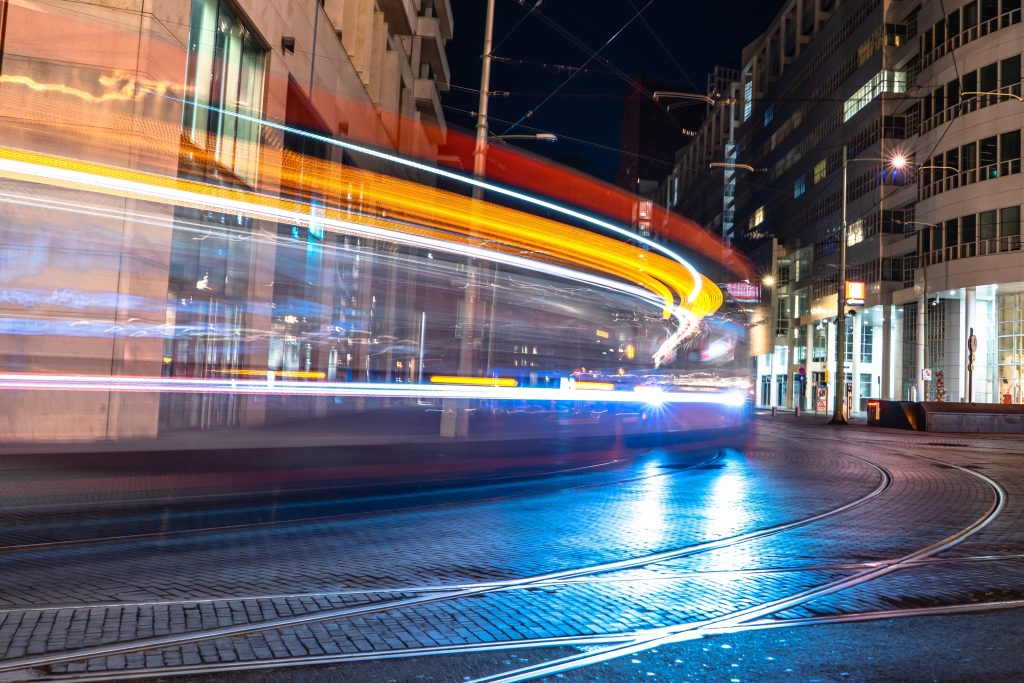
(867, 335)
(866, 388)
(799, 187)
(748, 99)
(819, 344)
(758, 217)
(820, 169)
(225, 74)
(884, 81)
(855, 233)
(848, 351)
(769, 115)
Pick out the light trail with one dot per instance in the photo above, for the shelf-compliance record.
(33, 167)
(729, 398)
(469, 180)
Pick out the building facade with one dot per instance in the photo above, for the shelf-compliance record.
(936, 243)
(702, 185)
(177, 88)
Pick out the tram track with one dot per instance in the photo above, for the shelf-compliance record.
(468, 590)
(588, 642)
(742, 618)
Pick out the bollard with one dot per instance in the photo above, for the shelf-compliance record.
(773, 410)
(796, 410)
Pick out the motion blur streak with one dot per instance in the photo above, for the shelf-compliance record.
(730, 398)
(483, 184)
(548, 238)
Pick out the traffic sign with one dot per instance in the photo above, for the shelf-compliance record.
(926, 374)
(802, 371)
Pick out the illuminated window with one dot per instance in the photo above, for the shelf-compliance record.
(225, 74)
(769, 115)
(820, 169)
(758, 217)
(800, 186)
(884, 81)
(855, 233)
(748, 99)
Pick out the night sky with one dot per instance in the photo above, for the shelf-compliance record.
(698, 35)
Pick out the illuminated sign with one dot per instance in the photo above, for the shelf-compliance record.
(743, 291)
(855, 293)
(602, 334)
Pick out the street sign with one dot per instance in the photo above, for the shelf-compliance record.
(856, 293)
(821, 400)
(926, 374)
(802, 371)
(972, 343)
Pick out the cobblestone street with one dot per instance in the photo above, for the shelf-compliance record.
(810, 525)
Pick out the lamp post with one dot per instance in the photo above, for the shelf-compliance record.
(838, 415)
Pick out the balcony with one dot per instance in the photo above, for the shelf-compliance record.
(428, 30)
(428, 103)
(400, 15)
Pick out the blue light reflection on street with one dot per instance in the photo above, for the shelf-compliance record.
(727, 513)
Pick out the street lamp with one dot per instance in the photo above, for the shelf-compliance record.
(710, 100)
(898, 162)
(997, 93)
(734, 164)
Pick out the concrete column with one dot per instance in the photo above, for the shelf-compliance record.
(856, 322)
(888, 315)
(922, 307)
(970, 321)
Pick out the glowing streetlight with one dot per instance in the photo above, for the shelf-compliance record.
(768, 281)
(897, 161)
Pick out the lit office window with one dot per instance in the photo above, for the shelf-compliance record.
(855, 233)
(758, 217)
(225, 74)
(799, 186)
(820, 170)
(748, 99)
(884, 81)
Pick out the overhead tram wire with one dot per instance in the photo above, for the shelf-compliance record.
(701, 170)
(664, 48)
(522, 3)
(593, 55)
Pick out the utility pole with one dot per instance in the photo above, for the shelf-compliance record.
(838, 414)
(455, 418)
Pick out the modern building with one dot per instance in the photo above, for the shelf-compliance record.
(702, 185)
(937, 244)
(176, 88)
(827, 76)
(651, 134)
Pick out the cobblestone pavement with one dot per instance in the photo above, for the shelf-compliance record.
(831, 521)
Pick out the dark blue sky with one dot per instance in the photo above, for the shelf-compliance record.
(698, 34)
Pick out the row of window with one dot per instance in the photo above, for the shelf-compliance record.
(969, 22)
(988, 232)
(996, 82)
(884, 81)
(991, 157)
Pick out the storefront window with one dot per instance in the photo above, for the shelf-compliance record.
(225, 74)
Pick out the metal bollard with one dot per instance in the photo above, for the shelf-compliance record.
(774, 408)
(796, 410)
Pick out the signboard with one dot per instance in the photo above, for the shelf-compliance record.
(821, 400)
(856, 292)
(926, 374)
(802, 371)
(744, 292)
